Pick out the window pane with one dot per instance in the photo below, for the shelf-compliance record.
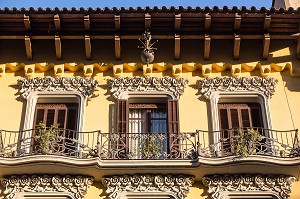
(234, 118)
(50, 117)
(245, 118)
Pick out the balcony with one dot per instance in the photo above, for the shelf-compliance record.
(199, 153)
(144, 146)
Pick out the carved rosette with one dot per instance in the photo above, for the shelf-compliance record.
(85, 86)
(266, 85)
(170, 85)
(77, 186)
(176, 185)
(278, 184)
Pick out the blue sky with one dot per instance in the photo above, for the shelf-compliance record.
(131, 3)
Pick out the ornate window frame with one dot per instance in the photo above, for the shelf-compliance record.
(40, 185)
(237, 90)
(147, 185)
(55, 90)
(147, 87)
(250, 185)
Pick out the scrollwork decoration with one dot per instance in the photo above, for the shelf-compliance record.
(266, 85)
(278, 184)
(176, 185)
(74, 185)
(173, 86)
(85, 86)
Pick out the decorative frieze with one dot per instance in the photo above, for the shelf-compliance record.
(266, 85)
(76, 186)
(169, 85)
(220, 185)
(85, 86)
(176, 185)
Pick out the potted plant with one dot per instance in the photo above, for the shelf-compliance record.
(46, 138)
(245, 142)
(151, 146)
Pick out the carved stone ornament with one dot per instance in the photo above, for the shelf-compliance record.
(176, 185)
(278, 184)
(170, 85)
(76, 186)
(266, 85)
(85, 86)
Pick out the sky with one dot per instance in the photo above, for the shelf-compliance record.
(131, 3)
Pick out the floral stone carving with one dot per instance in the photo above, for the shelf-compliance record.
(170, 85)
(75, 185)
(266, 85)
(220, 184)
(176, 185)
(84, 86)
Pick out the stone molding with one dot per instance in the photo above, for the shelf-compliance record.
(266, 85)
(220, 184)
(169, 85)
(85, 86)
(76, 186)
(176, 185)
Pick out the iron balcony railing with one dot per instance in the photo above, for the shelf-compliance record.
(205, 144)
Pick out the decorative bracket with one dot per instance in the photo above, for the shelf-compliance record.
(266, 85)
(76, 186)
(169, 85)
(53, 84)
(276, 185)
(176, 185)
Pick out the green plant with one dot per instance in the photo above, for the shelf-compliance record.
(46, 137)
(152, 147)
(245, 142)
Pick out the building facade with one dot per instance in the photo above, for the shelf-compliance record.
(177, 103)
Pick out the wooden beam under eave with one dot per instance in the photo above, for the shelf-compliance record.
(298, 47)
(177, 22)
(88, 49)
(237, 21)
(147, 21)
(267, 22)
(28, 47)
(177, 47)
(117, 22)
(117, 47)
(236, 47)
(207, 21)
(86, 20)
(57, 22)
(207, 41)
(266, 46)
(27, 22)
(57, 47)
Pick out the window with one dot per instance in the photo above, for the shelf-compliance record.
(148, 130)
(236, 117)
(64, 118)
(63, 115)
(239, 115)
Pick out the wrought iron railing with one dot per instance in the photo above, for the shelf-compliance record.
(205, 144)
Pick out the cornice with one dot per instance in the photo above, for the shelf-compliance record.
(84, 86)
(168, 85)
(118, 70)
(220, 185)
(77, 186)
(177, 185)
(228, 84)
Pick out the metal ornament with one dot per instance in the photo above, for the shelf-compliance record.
(147, 55)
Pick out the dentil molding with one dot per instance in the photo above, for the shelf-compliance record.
(170, 85)
(85, 86)
(219, 185)
(266, 85)
(77, 186)
(177, 185)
